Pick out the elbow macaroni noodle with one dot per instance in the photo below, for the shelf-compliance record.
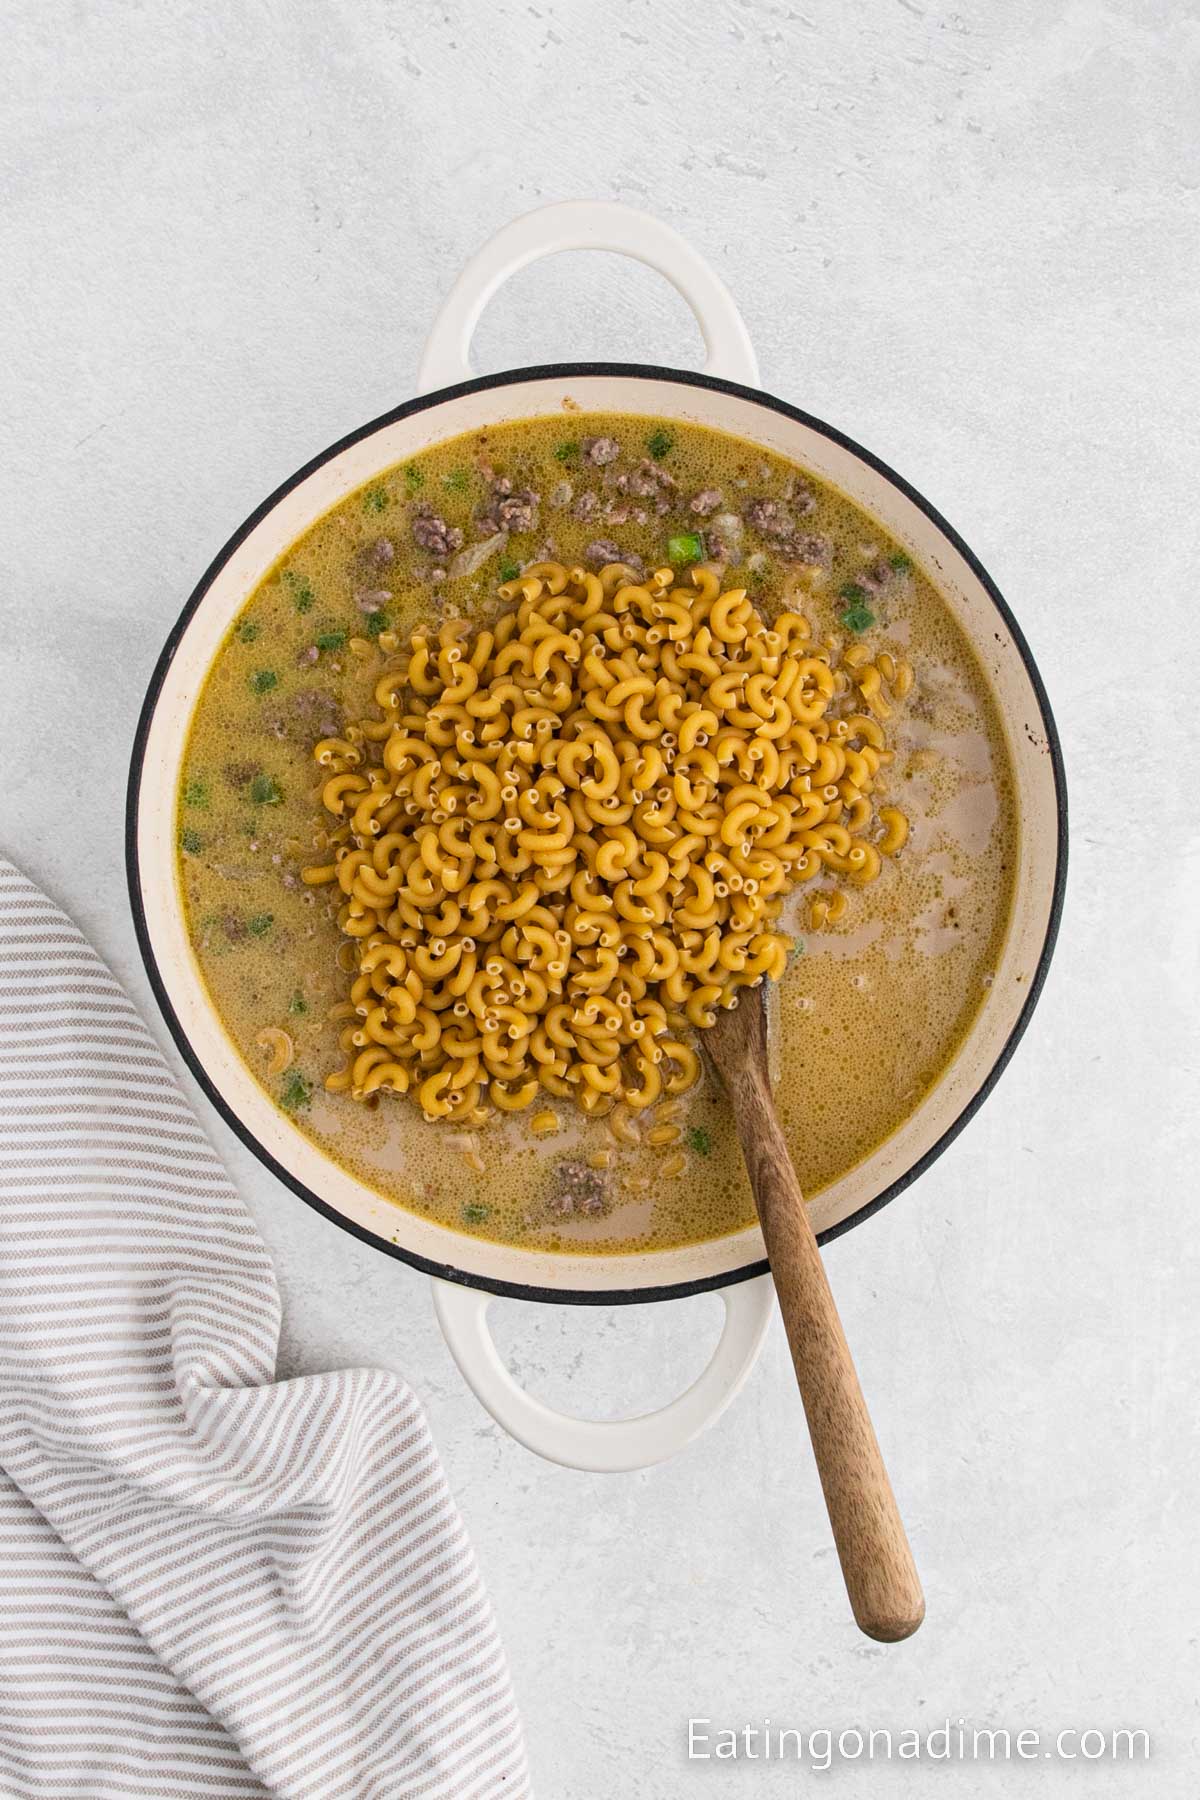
(567, 838)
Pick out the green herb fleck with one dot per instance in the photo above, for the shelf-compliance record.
(851, 591)
(296, 1091)
(192, 842)
(901, 562)
(475, 1214)
(509, 570)
(414, 478)
(265, 792)
(457, 481)
(330, 640)
(247, 631)
(374, 623)
(263, 680)
(685, 547)
(300, 589)
(697, 1139)
(796, 952)
(375, 500)
(196, 793)
(659, 443)
(260, 924)
(567, 451)
(297, 1003)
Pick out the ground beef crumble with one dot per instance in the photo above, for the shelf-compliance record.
(313, 713)
(770, 518)
(803, 500)
(379, 555)
(810, 548)
(775, 521)
(606, 550)
(650, 479)
(508, 509)
(430, 532)
(876, 576)
(578, 1191)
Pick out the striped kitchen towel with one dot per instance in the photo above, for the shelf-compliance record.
(212, 1583)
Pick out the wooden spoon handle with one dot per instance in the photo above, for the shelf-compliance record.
(877, 1564)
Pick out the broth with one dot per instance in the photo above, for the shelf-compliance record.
(873, 1008)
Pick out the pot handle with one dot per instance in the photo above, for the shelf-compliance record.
(587, 225)
(604, 1446)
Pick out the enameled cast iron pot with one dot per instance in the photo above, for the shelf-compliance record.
(468, 1270)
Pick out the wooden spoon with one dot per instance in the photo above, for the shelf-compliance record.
(880, 1575)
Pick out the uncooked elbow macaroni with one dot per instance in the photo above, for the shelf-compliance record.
(566, 838)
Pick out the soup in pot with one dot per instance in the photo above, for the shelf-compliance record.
(530, 755)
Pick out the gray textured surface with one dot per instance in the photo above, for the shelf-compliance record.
(967, 234)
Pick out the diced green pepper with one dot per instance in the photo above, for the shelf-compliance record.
(263, 680)
(296, 1091)
(330, 640)
(660, 443)
(568, 451)
(685, 547)
(297, 1003)
(857, 615)
(900, 562)
(265, 792)
(509, 570)
(374, 623)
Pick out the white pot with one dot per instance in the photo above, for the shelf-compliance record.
(469, 1269)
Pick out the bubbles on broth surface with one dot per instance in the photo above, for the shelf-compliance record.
(870, 1013)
